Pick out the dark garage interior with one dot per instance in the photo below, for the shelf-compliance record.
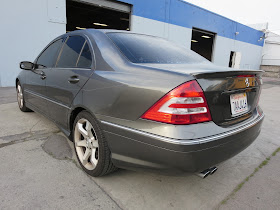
(87, 14)
(202, 43)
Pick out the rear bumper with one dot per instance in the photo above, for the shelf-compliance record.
(135, 149)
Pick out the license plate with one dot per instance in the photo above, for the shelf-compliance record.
(238, 103)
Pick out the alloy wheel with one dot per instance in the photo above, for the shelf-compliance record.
(86, 144)
(19, 96)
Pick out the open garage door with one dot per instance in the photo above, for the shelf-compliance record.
(202, 42)
(99, 14)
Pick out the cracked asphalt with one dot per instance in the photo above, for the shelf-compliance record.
(38, 170)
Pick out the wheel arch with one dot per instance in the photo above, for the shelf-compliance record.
(73, 116)
(74, 113)
(17, 80)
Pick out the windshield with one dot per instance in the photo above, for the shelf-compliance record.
(148, 49)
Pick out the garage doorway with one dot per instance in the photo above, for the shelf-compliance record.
(98, 14)
(202, 43)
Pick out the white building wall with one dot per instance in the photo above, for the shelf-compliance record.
(178, 34)
(27, 27)
(250, 53)
(271, 50)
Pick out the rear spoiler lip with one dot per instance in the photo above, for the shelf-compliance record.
(219, 74)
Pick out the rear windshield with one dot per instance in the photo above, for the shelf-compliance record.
(148, 49)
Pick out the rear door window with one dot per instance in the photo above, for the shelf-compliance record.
(48, 57)
(85, 59)
(70, 52)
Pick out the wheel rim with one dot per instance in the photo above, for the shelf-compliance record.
(86, 144)
(19, 96)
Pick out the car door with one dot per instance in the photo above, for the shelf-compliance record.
(36, 79)
(70, 73)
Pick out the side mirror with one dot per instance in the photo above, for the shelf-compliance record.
(26, 65)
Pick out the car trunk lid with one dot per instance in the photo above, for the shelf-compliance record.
(232, 96)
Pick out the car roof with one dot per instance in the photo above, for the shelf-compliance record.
(104, 31)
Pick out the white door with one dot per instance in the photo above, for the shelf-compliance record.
(236, 59)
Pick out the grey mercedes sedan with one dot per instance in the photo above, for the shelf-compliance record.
(134, 101)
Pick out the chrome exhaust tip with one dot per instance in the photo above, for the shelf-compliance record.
(206, 172)
(213, 170)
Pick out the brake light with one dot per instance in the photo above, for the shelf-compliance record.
(247, 75)
(185, 104)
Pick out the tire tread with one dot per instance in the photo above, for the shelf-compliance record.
(106, 163)
(24, 108)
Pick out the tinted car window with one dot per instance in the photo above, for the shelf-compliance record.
(85, 59)
(148, 49)
(70, 52)
(48, 57)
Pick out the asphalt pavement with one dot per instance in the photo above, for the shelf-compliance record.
(38, 170)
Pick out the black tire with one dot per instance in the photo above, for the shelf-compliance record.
(104, 164)
(21, 100)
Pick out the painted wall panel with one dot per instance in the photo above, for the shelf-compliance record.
(27, 32)
(271, 54)
(271, 50)
(177, 34)
(187, 15)
(152, 9)
(180, 35)
(32, 24)
(56, 11)
(221, 51)
(251, 54)
(147, 26)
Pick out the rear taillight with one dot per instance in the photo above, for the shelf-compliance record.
(247, 75)
(185, 104)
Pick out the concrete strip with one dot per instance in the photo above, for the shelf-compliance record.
(8, 95)
(13, 121)
(262, 191)
(32, 179)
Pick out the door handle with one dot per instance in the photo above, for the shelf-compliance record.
(73, 79)
(43, 76)
(41, 73)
